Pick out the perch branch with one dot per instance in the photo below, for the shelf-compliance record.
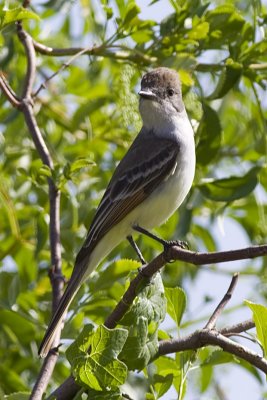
(198, 339)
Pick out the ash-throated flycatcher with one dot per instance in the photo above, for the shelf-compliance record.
(148, 185)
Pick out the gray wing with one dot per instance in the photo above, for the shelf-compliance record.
(132, 182)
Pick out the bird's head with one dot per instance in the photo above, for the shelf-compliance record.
(160, 94)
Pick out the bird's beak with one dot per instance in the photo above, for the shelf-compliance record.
(147, 94)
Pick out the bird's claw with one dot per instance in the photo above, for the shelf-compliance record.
(180, 243)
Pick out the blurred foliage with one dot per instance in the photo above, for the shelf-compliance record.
(88, 115)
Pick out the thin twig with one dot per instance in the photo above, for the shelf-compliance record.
(237, 328)
(219, 391)
(63, 66)
(104, 50)
(259, 67)
(8, 92)
(226, 298)
(36, 134)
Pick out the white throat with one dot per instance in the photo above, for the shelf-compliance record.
(164, 121)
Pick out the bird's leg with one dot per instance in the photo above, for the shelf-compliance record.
(165, 243)
(136, 249)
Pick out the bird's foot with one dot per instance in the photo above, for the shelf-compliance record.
(180, 243)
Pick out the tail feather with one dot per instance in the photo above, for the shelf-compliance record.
(57, 318)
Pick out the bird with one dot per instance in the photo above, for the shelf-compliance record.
(147, 187)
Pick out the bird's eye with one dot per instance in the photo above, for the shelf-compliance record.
(170, 92)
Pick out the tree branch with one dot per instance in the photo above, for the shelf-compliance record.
(66, 391)
(176, 253)
(26, 40)
(110, 51)
(205, 337)
(209, 336)
(8, 92)
(226, 298)
(124, 53)
(25, 106)
(238, 328)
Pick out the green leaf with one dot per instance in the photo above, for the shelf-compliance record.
(81, 163)
(132, 11)
(229, 76)
(108, 11)
(44, 170)
(93, 357)
(230, 189)
(210, 136)
(9, 208)
(114, 273)
(19, 325)
(149, 303)
(218, 357)
(140, 347)
(165, 367)
(225, 23)
(260, 318)
(19, 13)
(206, 375)
(10, 380)
(200, 31)
(104, 395)
(42, 233)
(18, 396)
(162, 384)
(176, 303)
(142, 320)
(9, 288)
(184, 61)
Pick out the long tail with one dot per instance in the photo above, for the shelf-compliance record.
(72, 288)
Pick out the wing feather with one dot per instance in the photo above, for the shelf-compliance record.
(131, 184)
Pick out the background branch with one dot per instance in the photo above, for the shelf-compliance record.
(25, 105)
(8, 92)
(122, 52)
(26, 40)
(209, 336)
(226, 298)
